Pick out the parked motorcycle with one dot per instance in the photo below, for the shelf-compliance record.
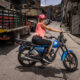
(30, 53)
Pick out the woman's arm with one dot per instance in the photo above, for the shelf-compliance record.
(49, 28)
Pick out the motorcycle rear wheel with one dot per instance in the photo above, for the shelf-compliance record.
(72, 60)
(23, 62)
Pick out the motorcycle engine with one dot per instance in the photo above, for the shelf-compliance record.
(34, 52)
(53, 55)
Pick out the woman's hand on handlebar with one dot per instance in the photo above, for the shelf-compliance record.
(61, 31)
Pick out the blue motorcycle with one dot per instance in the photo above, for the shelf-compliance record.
(30, 53)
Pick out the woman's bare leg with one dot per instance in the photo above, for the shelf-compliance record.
(49, 49)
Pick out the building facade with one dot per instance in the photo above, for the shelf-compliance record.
(53, 12)
(71, 15)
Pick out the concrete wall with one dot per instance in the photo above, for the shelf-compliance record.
(5, 4)
(79, 9)
(75, 24)
(31, 12)
(75, 16)
(76, 21)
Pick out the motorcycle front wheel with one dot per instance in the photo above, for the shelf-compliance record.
(70, 62)
(22, 61)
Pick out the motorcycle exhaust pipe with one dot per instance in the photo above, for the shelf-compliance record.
(31, 59)
(28, 58)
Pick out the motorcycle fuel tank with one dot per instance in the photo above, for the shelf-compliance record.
(55, 43)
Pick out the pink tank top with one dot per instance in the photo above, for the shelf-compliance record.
(39, 30)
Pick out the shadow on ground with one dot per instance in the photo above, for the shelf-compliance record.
(46, 72)
(5, 47)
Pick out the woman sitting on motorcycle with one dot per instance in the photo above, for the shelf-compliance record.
(38, 37)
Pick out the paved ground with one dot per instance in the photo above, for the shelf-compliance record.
(10, 69)
(73, 37)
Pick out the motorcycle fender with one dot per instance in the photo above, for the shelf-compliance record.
(64, 55)
(21, 48)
